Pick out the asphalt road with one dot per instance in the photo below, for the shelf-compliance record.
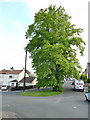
(69, 104)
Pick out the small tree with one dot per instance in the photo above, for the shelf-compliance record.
(88, 80)
(51, 43)
(83, 77)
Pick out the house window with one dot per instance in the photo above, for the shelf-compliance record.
(12, 84)
(10, 76)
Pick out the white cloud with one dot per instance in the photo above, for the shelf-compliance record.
(72, 7)
(35, 5)
(12, 51)
(16, 24)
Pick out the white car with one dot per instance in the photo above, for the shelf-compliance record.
(87, 95)
(4, 87)
(78, 85)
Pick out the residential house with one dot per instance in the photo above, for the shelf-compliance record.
(29, 81)
(12, 77)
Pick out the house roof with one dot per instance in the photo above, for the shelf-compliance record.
(14, 81)
(10, 71)
(13, 72)
(28, 72)
(27, 79)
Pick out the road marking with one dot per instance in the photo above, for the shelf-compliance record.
(74, 107)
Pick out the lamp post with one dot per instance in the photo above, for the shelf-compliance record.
(25, 71)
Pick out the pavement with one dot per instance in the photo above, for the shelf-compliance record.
(0, 115)
(6, 114)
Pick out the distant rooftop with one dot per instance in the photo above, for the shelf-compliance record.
(27, 79)
(12, 71)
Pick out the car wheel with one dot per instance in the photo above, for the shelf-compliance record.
(86, 99)
(83, 90)
(74, 89)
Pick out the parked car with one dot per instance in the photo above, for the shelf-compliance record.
(78, 85)
(4, 87)
(73, 83)
(63, 81)
(0, 86)
(87, 95)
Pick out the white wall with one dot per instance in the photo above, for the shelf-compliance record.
(13, 83)
(26, 84)
(34, 81)
(5, 79)
(1, 79)
(21, 75)
(29, 84)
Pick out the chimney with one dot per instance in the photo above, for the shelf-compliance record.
(11, 68)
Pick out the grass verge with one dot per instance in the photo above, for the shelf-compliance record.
(40, 93)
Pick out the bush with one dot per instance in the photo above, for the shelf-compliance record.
(58, 88)
(88, 80)
(19, 88)
(83, 77)
(85, 81)
(16, 88)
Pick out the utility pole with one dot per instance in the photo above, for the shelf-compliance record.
(88, 44)
(25, 71)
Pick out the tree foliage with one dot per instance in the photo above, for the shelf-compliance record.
(83, 77)
(53, 45)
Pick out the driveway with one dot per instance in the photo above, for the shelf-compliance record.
(69, 104)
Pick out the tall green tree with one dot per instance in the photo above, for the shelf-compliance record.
(52, 38)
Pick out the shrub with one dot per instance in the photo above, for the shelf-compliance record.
(88, 80)
(58, 88)
(85, 81)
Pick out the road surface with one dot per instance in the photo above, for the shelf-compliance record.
(69, 104)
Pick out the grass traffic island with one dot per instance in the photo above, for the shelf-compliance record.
(40, 93)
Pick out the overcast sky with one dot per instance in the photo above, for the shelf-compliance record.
(16, 15)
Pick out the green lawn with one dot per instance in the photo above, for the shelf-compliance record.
(40, 93)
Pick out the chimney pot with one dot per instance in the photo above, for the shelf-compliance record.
(12, 68)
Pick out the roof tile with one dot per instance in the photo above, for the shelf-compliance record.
(10, 71)
(27, 79)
